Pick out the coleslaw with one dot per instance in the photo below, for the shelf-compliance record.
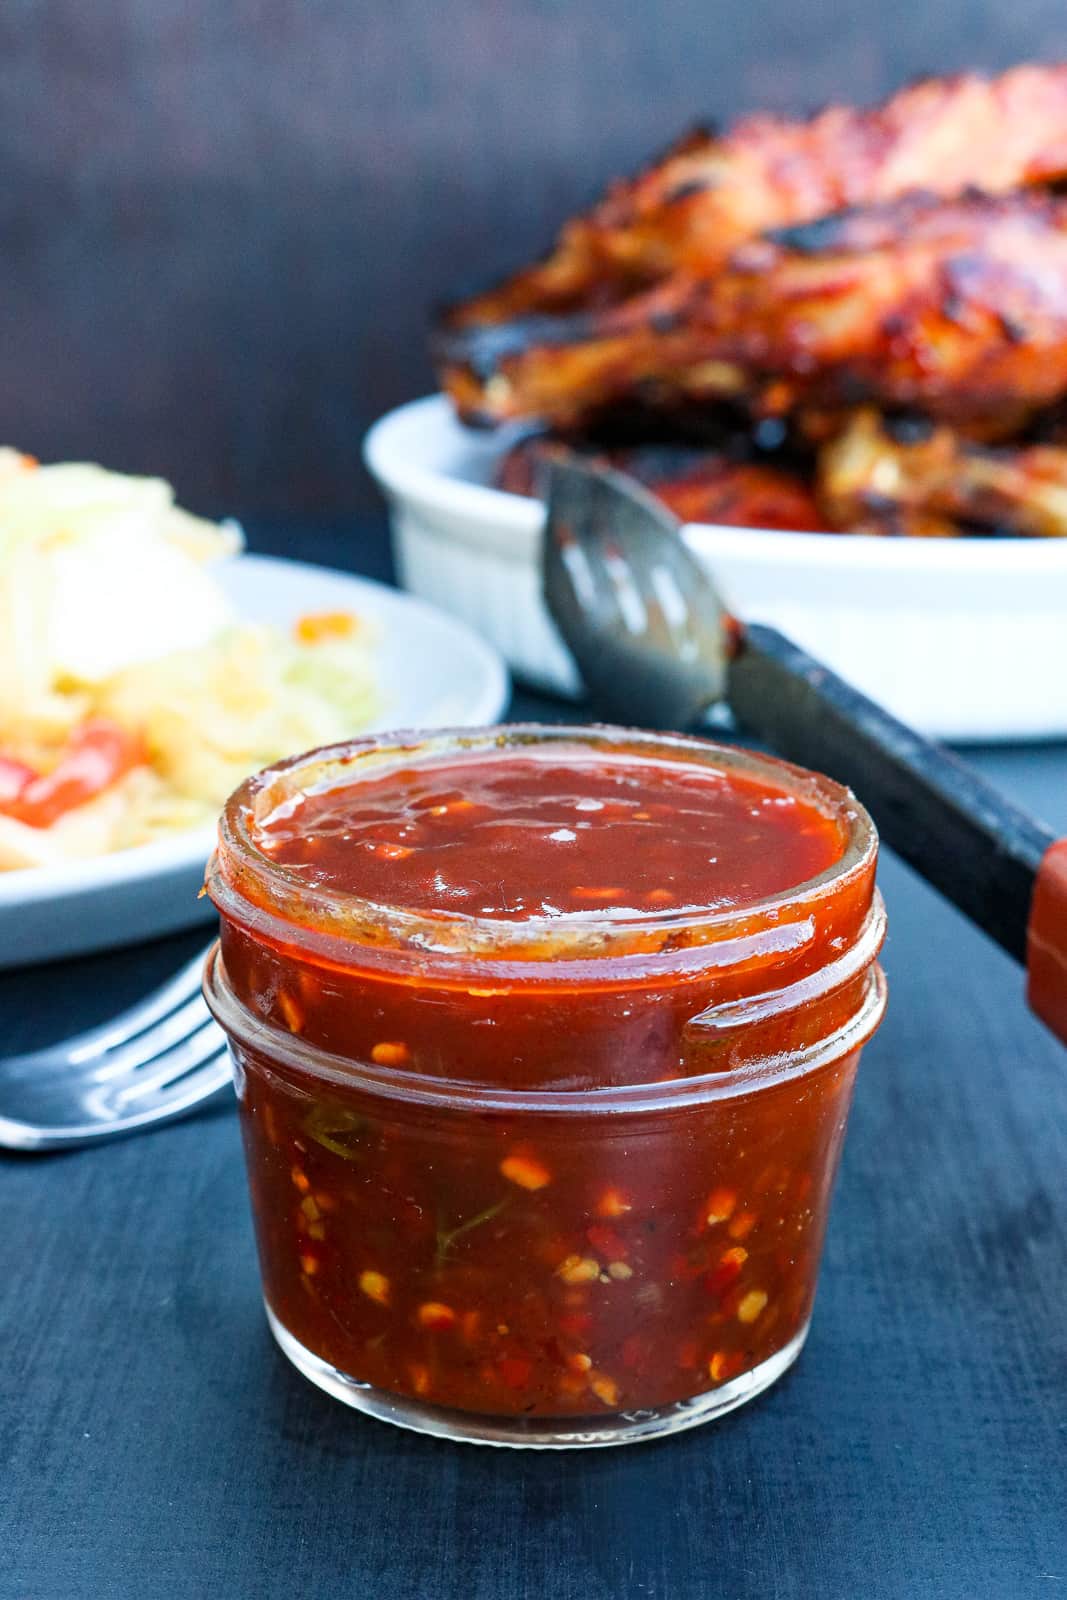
(132, 699)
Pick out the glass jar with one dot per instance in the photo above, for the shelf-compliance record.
(528, 1184)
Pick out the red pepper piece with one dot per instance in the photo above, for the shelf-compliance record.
(14, 777)
(606, 1242)
(98, 754)
(727, 1272)
(515, 1371)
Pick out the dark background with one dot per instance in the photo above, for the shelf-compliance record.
(222, 224)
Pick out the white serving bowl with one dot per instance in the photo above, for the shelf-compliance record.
(964, 638)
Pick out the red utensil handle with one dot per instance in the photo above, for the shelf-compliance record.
(1046, 944)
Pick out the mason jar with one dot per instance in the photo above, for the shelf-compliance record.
(536, 1179)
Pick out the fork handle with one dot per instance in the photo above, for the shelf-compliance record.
(1002, 868)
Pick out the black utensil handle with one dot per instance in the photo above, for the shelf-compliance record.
(982, 853)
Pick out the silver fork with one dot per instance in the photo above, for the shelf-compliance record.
(159, 1060)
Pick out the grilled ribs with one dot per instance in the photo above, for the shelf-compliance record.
(957, 309)
(697, 485)
(939, 483)
(689, 211)
(841, 281)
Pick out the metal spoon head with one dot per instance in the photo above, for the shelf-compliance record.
(642, 620)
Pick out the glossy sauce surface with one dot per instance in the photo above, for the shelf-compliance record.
(525, 836)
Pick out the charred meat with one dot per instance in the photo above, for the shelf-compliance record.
(690, 210)
(697, 485)
(955, 309)
(868, 481)
(881, 293)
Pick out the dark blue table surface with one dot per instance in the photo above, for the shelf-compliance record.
(155, 1445)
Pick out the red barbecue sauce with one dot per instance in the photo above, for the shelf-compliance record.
(496, 1253)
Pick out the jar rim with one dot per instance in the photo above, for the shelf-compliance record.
(250, 887)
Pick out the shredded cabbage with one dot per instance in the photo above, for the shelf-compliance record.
(108, 608)
(211, 716)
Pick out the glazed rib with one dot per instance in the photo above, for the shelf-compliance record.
(698, 485)
(870, 482)
(957, 309)
(691, 210)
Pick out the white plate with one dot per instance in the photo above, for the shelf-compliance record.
(434, 673)
(964, 638)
